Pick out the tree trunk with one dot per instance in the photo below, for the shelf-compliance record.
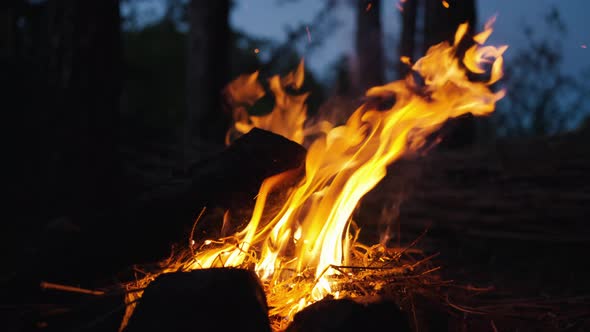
(440, 24)
(8, 16)
(85, 66)
(407, 46)
(369, 38)
(207, 70)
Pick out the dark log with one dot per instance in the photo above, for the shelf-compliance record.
(147, 229)
(348, 315)
(228, 181)
(202, 300)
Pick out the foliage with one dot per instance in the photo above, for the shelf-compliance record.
(155, 84)
(155, 54)
(542, 99)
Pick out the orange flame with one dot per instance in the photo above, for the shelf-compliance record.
(312, 230)
(289, 112)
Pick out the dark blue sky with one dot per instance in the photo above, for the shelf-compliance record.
(269, 18)
(266, 18)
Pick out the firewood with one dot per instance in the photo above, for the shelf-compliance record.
(348, 315)
(202, 300)
(229, 181)
(146, 229)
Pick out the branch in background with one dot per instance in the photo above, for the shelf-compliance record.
(317, 26)
(542, 99)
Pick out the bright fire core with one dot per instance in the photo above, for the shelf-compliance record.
(294, 251)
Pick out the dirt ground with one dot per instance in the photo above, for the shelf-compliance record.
(514, 216)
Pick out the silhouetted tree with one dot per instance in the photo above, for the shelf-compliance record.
(8, 18)
(407, 45)
(84, 70)
(541, 98)
(429, 22)
(369, 44)
(208, 69)
(441, 22)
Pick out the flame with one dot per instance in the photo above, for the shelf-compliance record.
(293, 253)
(288, 114)
(400, 5)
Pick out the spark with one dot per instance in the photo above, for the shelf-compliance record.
(256, 51)
(308, 33)
(369, 6)
(584, 46)
(445, 4)
(400, 5)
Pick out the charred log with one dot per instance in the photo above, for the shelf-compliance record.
(202, 300)
(149, 227)
(348, 315)
(229, 181)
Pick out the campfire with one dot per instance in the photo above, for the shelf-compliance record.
(307, 249)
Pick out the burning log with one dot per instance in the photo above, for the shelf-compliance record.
(348, 315)
(145, 230)
(205, 300)
(229, 181)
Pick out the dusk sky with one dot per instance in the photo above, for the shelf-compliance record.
(268, 18)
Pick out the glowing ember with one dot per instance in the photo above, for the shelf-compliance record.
(406, 60)
(446, 4)
(298, 251)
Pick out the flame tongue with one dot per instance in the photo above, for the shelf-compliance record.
(311, 232)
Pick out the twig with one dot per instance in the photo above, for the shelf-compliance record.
(416, 240)
(493, 326)
(104, 316)
(430, 271)
(192, 236)
(65, 288)
(417, 329)
(424, 260)
(380, 268)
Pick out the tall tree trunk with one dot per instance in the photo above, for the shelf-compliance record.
(8, 28)
(85, 69)
(369, 44)
(207, 70)
(407, 46)
(440, 24)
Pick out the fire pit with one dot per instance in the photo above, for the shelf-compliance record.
(308, 249)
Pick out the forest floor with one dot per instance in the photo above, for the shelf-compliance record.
(514, 216)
